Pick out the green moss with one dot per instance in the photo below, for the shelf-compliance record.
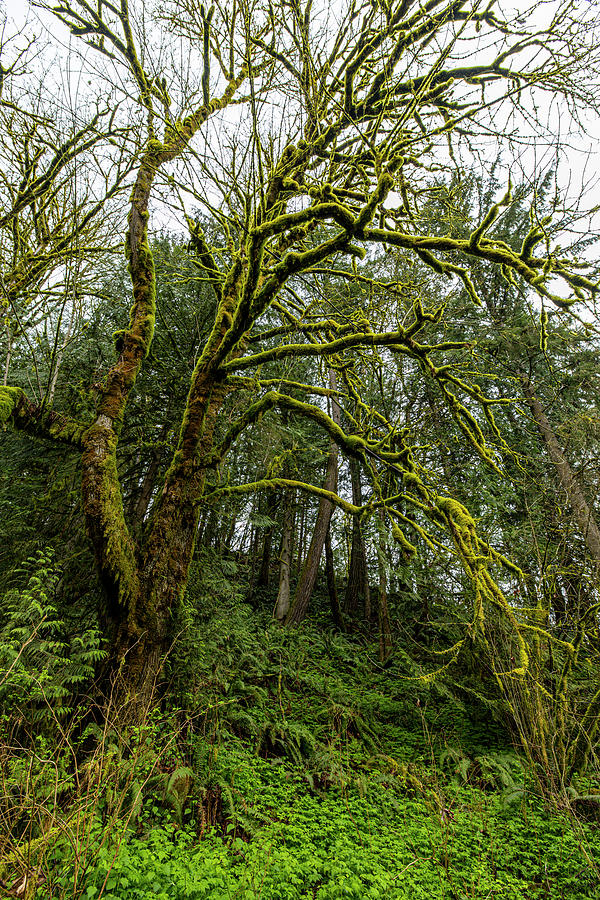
(103, 505)
(15, 409)
(9, 400)
(408, 549)
(458, 513)
(544, 330)
(66, 430)
(469, 548)
(270, 484)
(154, 146)
(353, 443)
(412, 480)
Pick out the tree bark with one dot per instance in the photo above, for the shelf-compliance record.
(300, 542)
(167, 555)
(226, 545)
(334, 600)
(357, 589)
(141, 498)
(383, 616)
(265, 564)
(282, 604)
(582, 512)
(310, 570)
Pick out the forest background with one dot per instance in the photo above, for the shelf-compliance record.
(299, 541)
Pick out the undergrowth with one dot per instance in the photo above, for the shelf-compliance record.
(283, 765)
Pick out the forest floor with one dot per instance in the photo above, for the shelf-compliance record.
(292, 765)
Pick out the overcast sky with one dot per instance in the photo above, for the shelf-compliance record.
(579, 167)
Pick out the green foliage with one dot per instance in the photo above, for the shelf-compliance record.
(291, 764)
(502, 772)
(299, 768)
(41, 667)
(387, 842)
(174, 789)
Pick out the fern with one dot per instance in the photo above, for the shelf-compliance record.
(173, 789)
(41, 669)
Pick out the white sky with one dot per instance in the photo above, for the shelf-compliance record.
(578, 168)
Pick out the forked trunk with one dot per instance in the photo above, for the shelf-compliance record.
(152, 576)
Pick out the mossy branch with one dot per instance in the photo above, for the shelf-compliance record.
(396, 340)
(253, 414)
(253, 383)
(18, 412)
(304, 327)
(490, 218)
(534, 271)
(270, 484)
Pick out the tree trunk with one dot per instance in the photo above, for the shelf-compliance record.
(58, 355)
(253, 542)
(8, 351)
(143, 637)
(383, 616)
(265, 564)
(309, 573)
(230, 534)
(144, 583)
(140, 499)
(582, 512)
(300, 547)
(282, 604)
(358, 594)
(253, 555)
(334, 600)
(151, 577)
(202, 525)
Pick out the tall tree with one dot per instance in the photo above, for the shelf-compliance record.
(310, 569)
(358, 592)
(370, 104)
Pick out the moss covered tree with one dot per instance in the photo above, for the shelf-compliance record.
(309, 136)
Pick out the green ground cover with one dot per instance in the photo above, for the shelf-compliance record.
(290, 765)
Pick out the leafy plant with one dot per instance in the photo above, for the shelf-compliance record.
(41, 667)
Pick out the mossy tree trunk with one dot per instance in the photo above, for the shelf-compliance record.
(316, 200)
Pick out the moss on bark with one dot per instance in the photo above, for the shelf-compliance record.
(115, 550)
(19, 412)
(9, 398)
